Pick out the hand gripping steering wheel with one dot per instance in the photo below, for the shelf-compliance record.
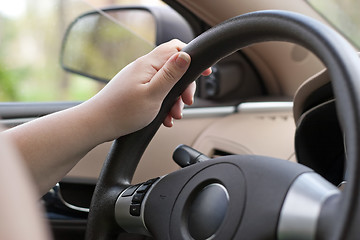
(239, 197)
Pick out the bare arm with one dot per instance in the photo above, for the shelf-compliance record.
(20, 216)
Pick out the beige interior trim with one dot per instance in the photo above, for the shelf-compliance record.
(251, 133)
(306, 89)
(214, 12)
(157, 159)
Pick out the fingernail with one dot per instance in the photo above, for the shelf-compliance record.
(182, 60)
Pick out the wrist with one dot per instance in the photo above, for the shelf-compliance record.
(98, 121)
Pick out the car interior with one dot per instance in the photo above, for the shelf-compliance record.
(267, 151)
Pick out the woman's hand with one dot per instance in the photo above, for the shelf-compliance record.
(132, 99)
(53, 144)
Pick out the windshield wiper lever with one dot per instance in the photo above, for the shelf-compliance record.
(185, 156)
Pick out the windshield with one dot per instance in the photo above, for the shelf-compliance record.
(343, 15)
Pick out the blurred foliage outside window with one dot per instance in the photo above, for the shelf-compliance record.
(31, 32)
(343, 15)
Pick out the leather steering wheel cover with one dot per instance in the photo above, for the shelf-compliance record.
(336, 53)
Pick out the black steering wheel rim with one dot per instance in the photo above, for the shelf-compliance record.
(336, 54)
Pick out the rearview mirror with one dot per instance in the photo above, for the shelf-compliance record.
(99, 44)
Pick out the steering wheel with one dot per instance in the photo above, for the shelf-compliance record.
(238, 197)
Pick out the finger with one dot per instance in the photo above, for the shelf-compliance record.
(168, 121)
(163, 52)
(176, 110)
(169, 74)
(188, 95)
(207, 72)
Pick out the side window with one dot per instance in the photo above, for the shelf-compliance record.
(343, 15)
(31, 33)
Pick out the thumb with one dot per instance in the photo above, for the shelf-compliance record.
(169, 74)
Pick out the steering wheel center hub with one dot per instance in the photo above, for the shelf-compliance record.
(210, 205)
(207, 211)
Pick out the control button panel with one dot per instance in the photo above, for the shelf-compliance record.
(130, 191)
(135, 209)
(138, 196)
(128, 207)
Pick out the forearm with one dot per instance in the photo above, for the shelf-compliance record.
(20, 216)
(52, 145)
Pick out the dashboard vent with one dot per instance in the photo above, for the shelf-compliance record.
(220, 153)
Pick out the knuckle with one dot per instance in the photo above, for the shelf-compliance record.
(168, 73)
(176, 44)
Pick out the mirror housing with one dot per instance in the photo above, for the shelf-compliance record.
(99, 44)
